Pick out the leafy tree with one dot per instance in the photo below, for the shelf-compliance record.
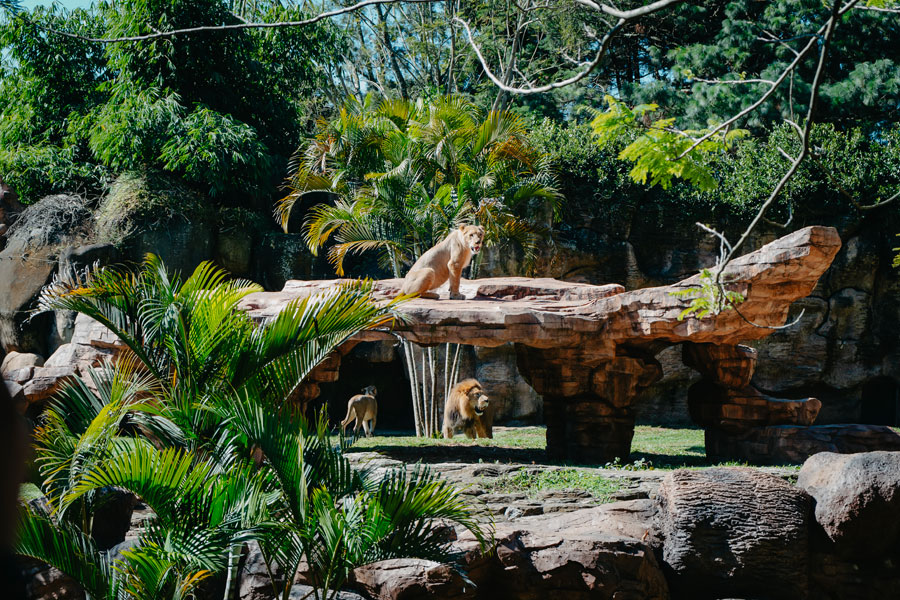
(220, 111)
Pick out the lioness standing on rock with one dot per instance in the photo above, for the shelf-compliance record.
(465, 409)
(364, 408)
(445, 261)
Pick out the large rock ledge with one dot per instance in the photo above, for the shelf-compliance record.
(546, 313)
(588, 350)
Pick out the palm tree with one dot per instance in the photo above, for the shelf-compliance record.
(181, 421)
(406, 174)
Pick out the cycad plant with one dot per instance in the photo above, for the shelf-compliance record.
(407, 173)
(193, 419)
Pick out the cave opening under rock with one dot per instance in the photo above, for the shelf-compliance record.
(879, 402)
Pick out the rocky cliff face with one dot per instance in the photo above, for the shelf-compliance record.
(845, 350)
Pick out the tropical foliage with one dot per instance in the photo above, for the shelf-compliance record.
(406, 173)
(218, 111)
(195, 419)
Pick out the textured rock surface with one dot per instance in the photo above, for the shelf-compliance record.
(546, 313)
(577, 555)
(857, 499)
(14, 361)
(734, 533)
(782, 444)
(411, 579)
(577, 564)
(27, 263)
(738, 409)
(45, 382)
(589, 350)
(43, 582)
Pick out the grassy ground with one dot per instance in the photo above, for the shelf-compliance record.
(533, 483)
(659, 447)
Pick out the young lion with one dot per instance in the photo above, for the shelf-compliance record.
(364, 408)
(465, 409)
(445, 261)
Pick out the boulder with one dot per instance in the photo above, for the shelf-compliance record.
(28, 262)
(576, 564)
(46, 382)
(734, 533)
(43, 582)
(598, 552)
(20, 375)
(19, 360)
(411, 579)
(79, 356)
(89, 332)
(857, 499)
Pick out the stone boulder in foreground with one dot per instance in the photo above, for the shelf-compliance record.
(734, 533)
(857, 499)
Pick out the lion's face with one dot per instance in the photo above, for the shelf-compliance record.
(473, 236)
(369, 390)
(478, 400)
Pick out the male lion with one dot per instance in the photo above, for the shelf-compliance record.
(445, 261)
(364, 408)
(465, 409)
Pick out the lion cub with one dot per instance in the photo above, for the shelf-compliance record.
(445, 261)
(465, 409)
(364, 408)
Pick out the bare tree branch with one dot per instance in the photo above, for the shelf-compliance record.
(628, 15)
(804, 144)
(622, 16)
(604, 46)
(895, 11)
(235, 26)
(732, 81)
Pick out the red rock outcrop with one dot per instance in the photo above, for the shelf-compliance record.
(589, 350)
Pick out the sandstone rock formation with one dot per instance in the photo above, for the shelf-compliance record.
(411, 579)
(590, 350)
(734, 533)
(857, 499)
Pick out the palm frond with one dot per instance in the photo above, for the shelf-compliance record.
(67, 549)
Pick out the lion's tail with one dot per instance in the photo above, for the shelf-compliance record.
(349, 416)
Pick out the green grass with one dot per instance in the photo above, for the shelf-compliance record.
(532, 483)
(656, 447)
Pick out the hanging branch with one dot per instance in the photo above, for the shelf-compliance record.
(622, 17)
(234, 26)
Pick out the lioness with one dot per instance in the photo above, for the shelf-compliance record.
(364, 408)
(465, 408)
(445, 261)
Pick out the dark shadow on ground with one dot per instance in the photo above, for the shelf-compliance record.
(459, 453)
